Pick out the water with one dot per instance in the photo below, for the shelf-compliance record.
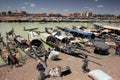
(18, 27)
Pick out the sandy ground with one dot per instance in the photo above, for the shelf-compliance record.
(109, 64)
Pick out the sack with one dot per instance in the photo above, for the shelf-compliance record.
(55, 72)
(43, 69)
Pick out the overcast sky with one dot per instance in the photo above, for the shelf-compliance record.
(62, 6)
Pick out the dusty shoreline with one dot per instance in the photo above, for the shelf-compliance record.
(109, 64)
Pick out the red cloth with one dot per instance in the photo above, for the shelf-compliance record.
(30, 45)
(119, 46)
(14, 58)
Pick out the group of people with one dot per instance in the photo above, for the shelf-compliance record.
(12, 60)
(41, 68)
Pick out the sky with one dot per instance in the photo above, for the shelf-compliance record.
(62, 6)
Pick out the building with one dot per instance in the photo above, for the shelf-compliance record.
(88, 14)
(54, 15)
(3, 13)
(18, 13)
(77, 14)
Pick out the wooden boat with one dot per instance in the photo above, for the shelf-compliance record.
(3, 52)
(36, 43)
(101, 47)
(18, 43)
(29, 29)
(23, 45)
(49, 30)
(59, 40)
(13, 49)
(111, 29)
(64, 44)
(59, 33)
(10, 48)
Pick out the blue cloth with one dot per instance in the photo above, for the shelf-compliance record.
(43, 69)
(117, 50)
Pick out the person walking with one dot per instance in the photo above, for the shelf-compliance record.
(117, 50)
(46, 57)
(15, 60)
(85, 64)
(41, 70)
(10, 59)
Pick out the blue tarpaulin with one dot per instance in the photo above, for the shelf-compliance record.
(86, 34)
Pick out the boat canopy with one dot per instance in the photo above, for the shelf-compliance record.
(34, 39)
(60, 35)
(86, 34)
(32, 35)
(36, 42)
(97, 25)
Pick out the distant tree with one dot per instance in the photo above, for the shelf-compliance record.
(24, 12)
(9, 12)
(118, 16)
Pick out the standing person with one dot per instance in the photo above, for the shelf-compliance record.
(0, 51)
(35, 50)
(85, 65)
(46, 57)
(0, 34)
(40, 68)
(15, 60)
(117, 50)
(49, 50)
(10, 59)
(7, 36)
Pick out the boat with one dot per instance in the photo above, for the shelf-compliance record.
(59, 40)
(29, 29)
(111, 29)
(3, 52)
(50, 30)
(36, 43)
(17, 42)
(58, 32)
(10, 47)
(15, 50)
(20, 41)
(101, 47)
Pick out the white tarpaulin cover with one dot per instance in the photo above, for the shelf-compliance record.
(53, 55)
(99, 75)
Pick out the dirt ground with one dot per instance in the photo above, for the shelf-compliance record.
(109, 64)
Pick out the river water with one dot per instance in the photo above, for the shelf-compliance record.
(18, 26)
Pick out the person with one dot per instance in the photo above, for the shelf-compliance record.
(85, 64)
(10, 59)
(0, 34)
(40, 68)
(117, 50)
(35, 50)
(7, 36)
(0, 51)
(49, 50)
(15, 60)
(46, 57)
